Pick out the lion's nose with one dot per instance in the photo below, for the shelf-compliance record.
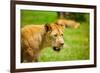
(62, 44)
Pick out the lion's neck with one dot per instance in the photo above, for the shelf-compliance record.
(46, 42)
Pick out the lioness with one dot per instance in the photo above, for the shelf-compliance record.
(36, 37)
(68, 23)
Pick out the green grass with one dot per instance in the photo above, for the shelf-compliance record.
(76, 40)
(37, 17)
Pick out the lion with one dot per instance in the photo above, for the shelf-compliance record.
(36, 37)
(68, 23)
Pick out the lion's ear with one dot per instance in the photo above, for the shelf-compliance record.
(47, 27)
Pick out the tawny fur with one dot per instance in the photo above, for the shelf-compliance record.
(31, 40)
(68, 23)
(35, 37)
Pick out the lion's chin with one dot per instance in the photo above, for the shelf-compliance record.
(56, 49)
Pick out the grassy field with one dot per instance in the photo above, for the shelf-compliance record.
(76, 40)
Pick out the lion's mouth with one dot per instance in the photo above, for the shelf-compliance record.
(56, 49)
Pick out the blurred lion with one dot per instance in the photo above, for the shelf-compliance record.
(68, 23)
(36, 37)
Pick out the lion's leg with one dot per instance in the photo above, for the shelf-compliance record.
(27, 55)
(36, 57)
(30, 55)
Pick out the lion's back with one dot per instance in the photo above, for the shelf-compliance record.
(31, 36)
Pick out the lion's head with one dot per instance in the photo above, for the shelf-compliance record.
(55, 35)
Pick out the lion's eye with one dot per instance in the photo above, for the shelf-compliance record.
(55, 35)
(61, 34)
